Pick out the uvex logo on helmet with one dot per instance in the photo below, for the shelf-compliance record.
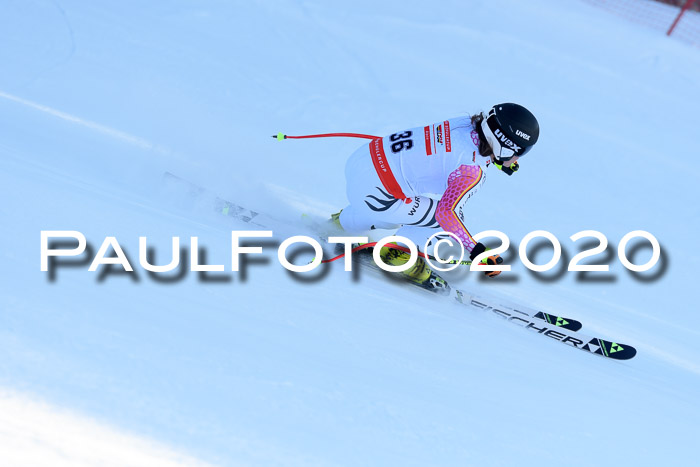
(506, 140)
(523, 135)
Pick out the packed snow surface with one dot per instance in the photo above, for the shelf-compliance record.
(99, 99)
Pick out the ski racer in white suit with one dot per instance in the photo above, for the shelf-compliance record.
(421, 178)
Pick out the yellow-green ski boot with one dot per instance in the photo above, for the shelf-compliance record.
(420, 273)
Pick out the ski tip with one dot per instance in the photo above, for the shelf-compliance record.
(628, 353)
(279, 136)
(615, 351)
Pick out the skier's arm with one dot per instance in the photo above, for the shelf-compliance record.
(461, 184)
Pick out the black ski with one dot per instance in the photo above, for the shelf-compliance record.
(438, 285)
(564, 330)
(555, 327)
(594, 345)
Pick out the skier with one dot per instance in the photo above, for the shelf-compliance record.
(419, 180)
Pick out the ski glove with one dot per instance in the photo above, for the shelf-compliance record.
(491, 260)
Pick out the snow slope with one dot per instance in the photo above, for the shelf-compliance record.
(98, 100)
(37, 434)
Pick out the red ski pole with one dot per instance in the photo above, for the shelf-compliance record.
(280, 136)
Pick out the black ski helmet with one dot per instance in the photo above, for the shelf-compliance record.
(511, 130)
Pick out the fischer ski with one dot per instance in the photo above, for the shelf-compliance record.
(564, 330)
(440, 286)
(519, 316)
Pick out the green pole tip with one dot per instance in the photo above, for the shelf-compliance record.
(280, 136)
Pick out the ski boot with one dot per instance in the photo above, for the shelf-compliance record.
(420, 274)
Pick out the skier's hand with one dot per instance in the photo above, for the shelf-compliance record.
(492, 261)
(489, 260)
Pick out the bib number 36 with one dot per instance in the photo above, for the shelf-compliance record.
(401, 141)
